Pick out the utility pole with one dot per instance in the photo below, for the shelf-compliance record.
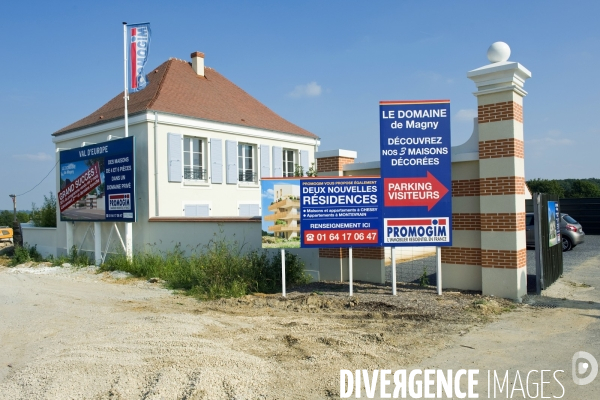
(17, 234)
(14, 199)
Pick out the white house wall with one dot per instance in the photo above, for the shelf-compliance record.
(224, 198)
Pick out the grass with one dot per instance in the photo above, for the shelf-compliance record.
(28, 253)
(75, 258)
(217, 270)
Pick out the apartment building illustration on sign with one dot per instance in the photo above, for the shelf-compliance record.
(281, 220)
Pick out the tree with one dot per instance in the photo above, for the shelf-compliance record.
(45, 216)
(6, 217)
(581, 188)
(546, 186)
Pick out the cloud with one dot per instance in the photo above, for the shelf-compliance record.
(548, 141)
(466, 114)
(552, 138)
(311, 89)
(269, 194)
(34, 157)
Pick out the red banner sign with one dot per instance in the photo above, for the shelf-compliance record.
(79, 188)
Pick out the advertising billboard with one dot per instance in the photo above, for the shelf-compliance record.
(415, 169)
(321, 212)
(340, 212)
(97, 182)
(553, 223)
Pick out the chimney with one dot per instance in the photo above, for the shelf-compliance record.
(198, 63)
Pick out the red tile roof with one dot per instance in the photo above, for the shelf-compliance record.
(175, 88)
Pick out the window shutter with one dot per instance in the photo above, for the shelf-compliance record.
(216, 160)
(265, 161)
(196, 210)
(277, 162)
(304, 160)
(249, 210)
(174, 151)
(231, 156)
(202, 210)
(190, 210)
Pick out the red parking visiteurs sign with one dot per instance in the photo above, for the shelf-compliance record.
(79, 188)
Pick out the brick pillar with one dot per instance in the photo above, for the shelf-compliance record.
(331, 163)
(501, 173)
(333, 262)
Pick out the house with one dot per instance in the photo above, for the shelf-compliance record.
(202, 146)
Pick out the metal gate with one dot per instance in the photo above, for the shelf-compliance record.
(548, 248)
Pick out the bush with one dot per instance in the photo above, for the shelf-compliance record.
(25, 254)
(46, 216)
(218, 270)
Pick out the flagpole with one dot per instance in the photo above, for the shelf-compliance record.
(125, 76)
(128, 225)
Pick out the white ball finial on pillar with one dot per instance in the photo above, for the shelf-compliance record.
(498, 52)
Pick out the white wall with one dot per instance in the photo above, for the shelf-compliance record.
(43, 238)
(222, 198)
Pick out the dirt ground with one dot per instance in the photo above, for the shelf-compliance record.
(74, 333)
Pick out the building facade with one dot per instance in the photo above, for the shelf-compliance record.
(202, 146)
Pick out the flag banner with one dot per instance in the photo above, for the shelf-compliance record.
(137, 54)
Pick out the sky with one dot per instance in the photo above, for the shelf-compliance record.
(323, 65)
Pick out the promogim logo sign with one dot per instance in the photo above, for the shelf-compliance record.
(121, 201)
(416, 230)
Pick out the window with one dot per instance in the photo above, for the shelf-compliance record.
(289, 162)
(246, 162)
(194, 166)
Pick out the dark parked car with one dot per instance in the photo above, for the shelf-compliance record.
(571, 233)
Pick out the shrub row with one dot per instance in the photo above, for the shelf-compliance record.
(217, 270)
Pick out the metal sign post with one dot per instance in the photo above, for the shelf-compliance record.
(438, 264)
(283, 272)
(350, 271)
(394, 271)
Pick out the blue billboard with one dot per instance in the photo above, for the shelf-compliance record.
(416, 173)
(340, 212)
(321, 212)
(97, 182)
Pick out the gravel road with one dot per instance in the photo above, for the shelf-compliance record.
(70, 333)
(78, 334)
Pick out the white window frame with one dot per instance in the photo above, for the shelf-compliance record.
(188, 163)
(286, 162)
(247, 176)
